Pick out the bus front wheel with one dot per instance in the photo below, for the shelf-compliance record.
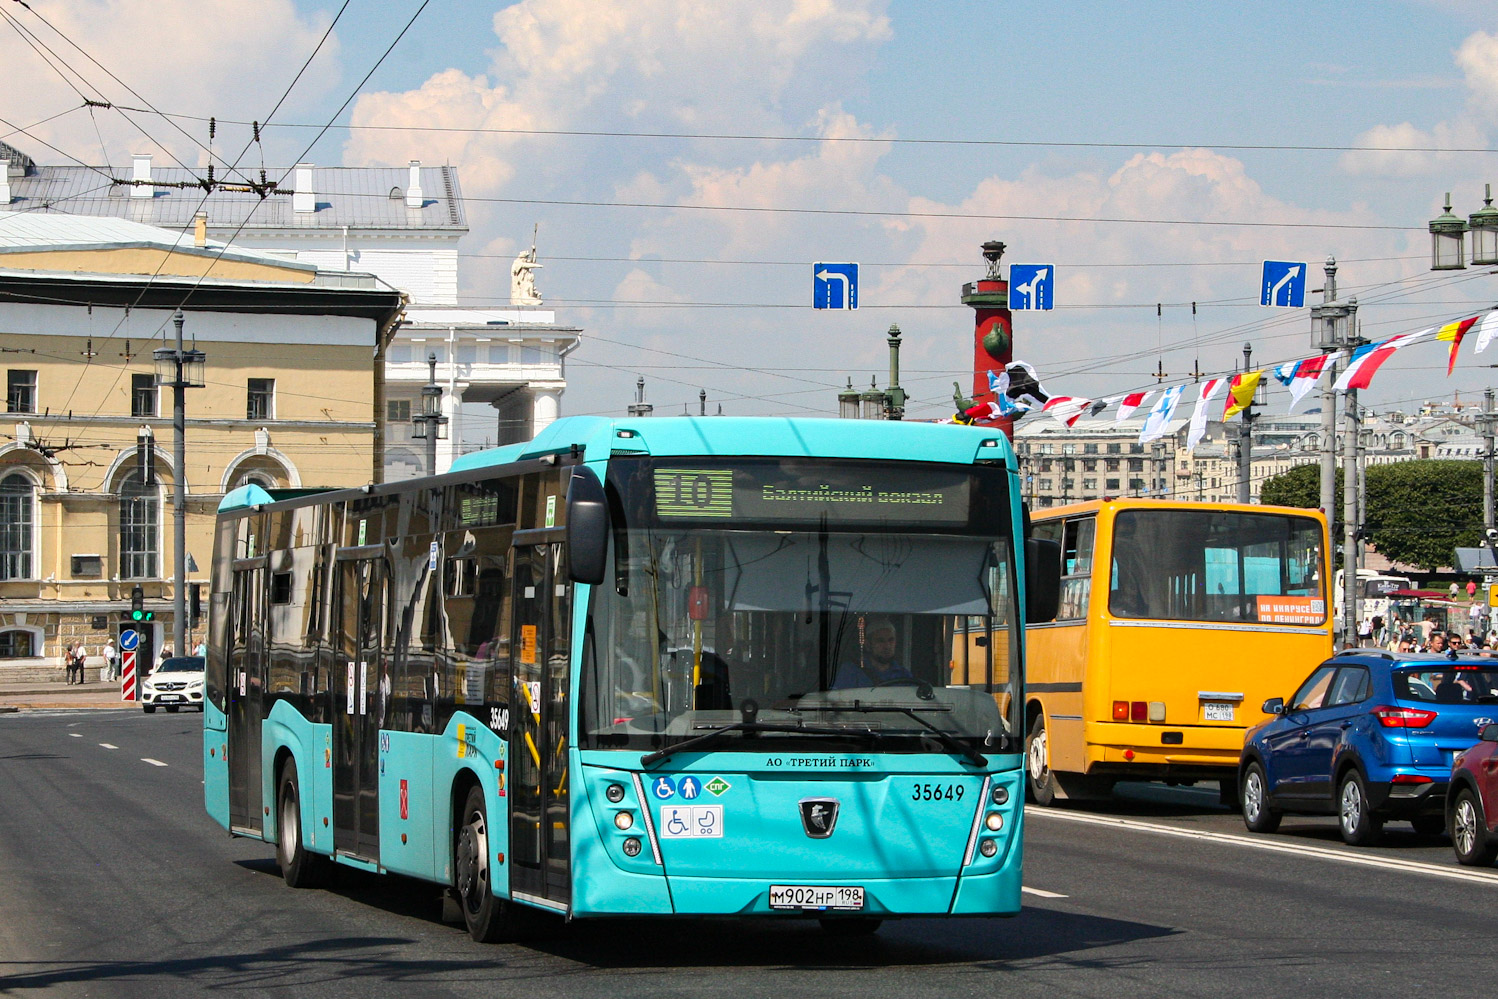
(489, 919)
(299, 866)
(1040, 782)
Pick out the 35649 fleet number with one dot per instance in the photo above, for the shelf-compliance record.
(937, 792)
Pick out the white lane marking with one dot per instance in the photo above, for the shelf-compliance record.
(1043, 894)
(154, 763)
(76, 735)
(108, 746)
(1273, 846)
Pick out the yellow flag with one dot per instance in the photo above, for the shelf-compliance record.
(1241, 393)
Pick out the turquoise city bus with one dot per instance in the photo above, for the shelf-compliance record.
(635, 667)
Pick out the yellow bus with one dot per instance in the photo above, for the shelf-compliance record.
(1177, 621)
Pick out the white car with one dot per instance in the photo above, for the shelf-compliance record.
(176, 683)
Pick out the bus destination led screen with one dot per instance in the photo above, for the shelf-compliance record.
(804, 494)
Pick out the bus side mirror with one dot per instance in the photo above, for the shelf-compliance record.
(587, 527)
(1042, 580)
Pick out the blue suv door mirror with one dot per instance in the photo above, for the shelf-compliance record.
(1274, 706)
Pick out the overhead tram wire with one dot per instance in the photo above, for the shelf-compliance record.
(90, 102)
(958, 216)
(895, 140)
(150, 108)
(204, 200)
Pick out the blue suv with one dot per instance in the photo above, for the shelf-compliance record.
(1369, 736)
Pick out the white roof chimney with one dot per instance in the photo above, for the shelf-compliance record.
(303, 198)
(142, 163)
(413, 189)
(5, 198)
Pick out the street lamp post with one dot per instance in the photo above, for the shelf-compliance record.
(181, 369)
(429, 424)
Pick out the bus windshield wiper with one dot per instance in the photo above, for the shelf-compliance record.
(946, 738)
(750, 726)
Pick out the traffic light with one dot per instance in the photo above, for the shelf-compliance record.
(194, 604)
(138, 610)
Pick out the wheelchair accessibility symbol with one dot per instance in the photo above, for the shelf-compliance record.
(692, 822)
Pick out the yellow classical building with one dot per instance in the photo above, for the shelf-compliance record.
(292, 398)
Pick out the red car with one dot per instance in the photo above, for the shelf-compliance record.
(1472, 800)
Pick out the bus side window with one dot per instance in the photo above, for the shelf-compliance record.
(1076, 568)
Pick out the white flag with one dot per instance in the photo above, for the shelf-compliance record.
(1160, 416)
(1485, 331)
(1204, 396)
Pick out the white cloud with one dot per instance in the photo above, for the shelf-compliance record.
(1402, 150)
(1405, 151)
(667, 64)
(203, 57)
(1478, 60)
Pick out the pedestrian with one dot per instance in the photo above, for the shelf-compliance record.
(80, 655)
(111, 661)
(67, 662)
(202, 650)
(1471, 589)
(70, 660)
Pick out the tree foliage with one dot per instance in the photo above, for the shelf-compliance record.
(1301, 486)
(1419, 512)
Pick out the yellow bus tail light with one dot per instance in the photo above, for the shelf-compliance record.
(1138, 711)
(1120, 710)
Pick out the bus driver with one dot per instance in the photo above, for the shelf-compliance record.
(879, 665)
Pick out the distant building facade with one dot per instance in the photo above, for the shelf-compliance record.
(290, 402)
(403, 225)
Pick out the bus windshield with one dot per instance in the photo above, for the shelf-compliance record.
(843, 626)
(1189, 565)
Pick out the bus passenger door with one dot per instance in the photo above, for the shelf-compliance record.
(360, 620)
(246, 681)
(540, 847)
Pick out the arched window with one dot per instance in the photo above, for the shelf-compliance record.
(17, 644)
(140, 507)
(15, 526)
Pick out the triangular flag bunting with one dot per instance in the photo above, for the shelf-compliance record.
(1453, 333)
(1300, 376)
(1158, 422)
(1241, 393)
(1131, 402)
(1207, 392)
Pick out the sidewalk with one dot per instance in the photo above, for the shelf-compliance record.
(27, 694)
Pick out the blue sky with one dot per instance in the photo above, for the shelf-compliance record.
(1164, 90)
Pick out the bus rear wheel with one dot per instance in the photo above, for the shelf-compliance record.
(300, 867)
(489, 919)
(1039, 780)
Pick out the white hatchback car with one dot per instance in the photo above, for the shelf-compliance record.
(176, 683)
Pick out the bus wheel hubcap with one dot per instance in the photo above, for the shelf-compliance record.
(473, 848)
(1037, 756)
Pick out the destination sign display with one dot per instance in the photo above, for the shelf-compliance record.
(804, 492)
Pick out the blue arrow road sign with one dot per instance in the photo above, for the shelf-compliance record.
(1032, 286)
(1284, 284)
(129, 639)
(834, 286)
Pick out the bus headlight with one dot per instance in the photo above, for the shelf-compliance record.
(1001, 795)
(988, 848)
(631, 847)
(623, 820)
(614, 792)
(994, 821)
